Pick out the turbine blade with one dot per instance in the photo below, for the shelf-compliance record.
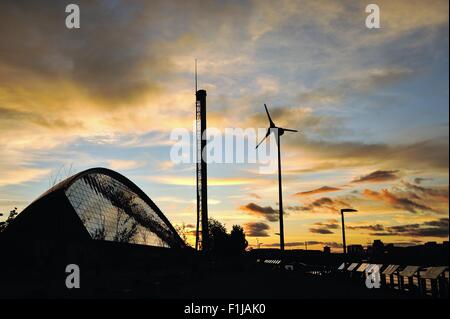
(268, 115)
(267, 134)
(290, 130)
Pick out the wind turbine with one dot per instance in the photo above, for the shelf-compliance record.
(278, 131)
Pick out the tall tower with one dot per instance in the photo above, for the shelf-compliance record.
(201, 238)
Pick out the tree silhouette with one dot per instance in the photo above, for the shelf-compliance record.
(223, 243)
(218, 236)
(183, 232)
(12, 214)
(238, 242)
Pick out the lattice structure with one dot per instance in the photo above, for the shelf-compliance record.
(201, 240)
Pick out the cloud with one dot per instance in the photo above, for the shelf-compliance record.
(395, 201)
(377, 176)
(434, 228)
(256, 229)
(324, 204)
(420, 180)
(430, 155)
(325, 228)
(360, 82)
(323, 189)
(293, 208)
(429, 193)
(375, 228)
(267, 212)
(322, 231)
(19, 175)
(165, 165)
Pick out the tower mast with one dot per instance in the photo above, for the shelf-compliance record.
(201, 238)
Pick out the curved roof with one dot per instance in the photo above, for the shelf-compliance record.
(66, 184)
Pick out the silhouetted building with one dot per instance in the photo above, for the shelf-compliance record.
(378, 246)
(326, 250)
(102, 222)
(97, 204)
(430, 244)
(355, 249)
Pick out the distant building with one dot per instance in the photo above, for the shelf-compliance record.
(431, 244)
(377, 246)
(326, 250)
(355, 249)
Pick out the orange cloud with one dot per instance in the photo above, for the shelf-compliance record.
(377, 176)
(324, 205)
(397, 202)
(323, 189)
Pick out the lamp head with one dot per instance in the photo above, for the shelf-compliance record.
(348, 210)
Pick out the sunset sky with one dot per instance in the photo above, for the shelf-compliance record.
(371, 106)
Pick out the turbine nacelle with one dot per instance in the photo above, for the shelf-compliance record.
(273, 128)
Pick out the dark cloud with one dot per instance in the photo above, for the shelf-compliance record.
(442, 223)
(293, 208)
(376, 227)
(427, 192)
(10, 117)
(256, 229)
(123, 50)
(397, 202)
(377, 176)
(268, 212)
(322, 231)
(434, 228)
(323, 189)
(331, 224)
(106, 57)
(427, 154)
(325, 228)
(420, 180)
(324, 203)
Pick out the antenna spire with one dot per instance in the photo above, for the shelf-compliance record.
(196, 76)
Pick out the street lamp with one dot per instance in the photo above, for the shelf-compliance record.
(345, 210)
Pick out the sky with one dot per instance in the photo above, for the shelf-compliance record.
(371, 106)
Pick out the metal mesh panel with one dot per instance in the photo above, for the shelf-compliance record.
(111, 211)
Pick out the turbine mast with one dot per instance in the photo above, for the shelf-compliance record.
(279, 131)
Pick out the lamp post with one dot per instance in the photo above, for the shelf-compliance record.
(345, 210)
